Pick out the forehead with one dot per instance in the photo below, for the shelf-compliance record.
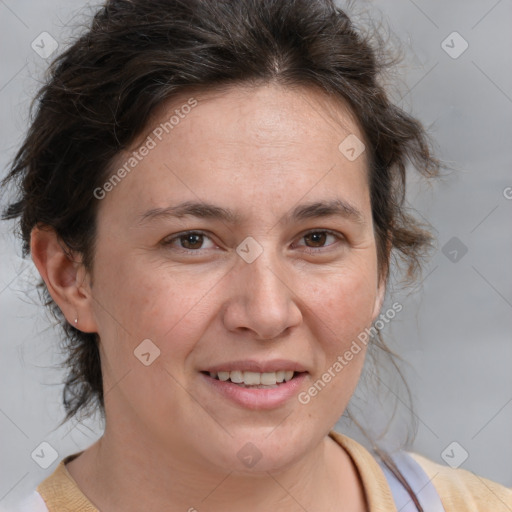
(260, 142)
(262, 114)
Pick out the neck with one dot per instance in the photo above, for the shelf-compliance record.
(169, 479)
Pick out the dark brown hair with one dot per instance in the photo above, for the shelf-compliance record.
(137, 54)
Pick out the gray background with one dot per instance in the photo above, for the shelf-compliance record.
(454, 330)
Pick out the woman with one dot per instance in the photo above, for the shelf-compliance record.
(212, 193)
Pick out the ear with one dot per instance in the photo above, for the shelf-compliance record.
(379, 298)
(381, 287)
(66, 278)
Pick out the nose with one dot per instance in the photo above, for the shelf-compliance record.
(261, 299)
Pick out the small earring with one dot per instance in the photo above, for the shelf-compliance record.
(76, 321)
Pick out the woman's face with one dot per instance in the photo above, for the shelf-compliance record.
(279, 275)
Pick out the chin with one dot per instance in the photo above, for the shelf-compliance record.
(259, 451)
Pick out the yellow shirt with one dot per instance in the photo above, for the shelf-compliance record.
(459, 490)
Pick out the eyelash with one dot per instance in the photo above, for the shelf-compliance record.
(310, 250)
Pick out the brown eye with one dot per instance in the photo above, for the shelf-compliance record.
(191, 241)
(317, 238)
(320, 239)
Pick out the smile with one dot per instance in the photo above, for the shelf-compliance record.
(254, 379)
(255, 390)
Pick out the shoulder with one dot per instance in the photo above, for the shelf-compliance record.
(31, 503)
(456, 489)
(460, 489)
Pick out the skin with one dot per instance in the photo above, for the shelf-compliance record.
(260, 152)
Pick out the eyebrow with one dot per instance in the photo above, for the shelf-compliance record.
(195, 209)
(317, 209)
(335, 207)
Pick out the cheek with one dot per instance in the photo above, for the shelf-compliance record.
(341, 313)
(136, 300)
(344, 305)
(163, 307)
(342, 353)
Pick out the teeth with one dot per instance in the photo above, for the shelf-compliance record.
(269, 379)
(254, 378)
(236, 377)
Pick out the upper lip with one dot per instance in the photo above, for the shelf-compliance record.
(257, 366)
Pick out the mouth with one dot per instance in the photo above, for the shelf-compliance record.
(254, 380)
(256, 386)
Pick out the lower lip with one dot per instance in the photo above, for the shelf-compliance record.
(253, 398)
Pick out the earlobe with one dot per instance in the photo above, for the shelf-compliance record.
(65, 277)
